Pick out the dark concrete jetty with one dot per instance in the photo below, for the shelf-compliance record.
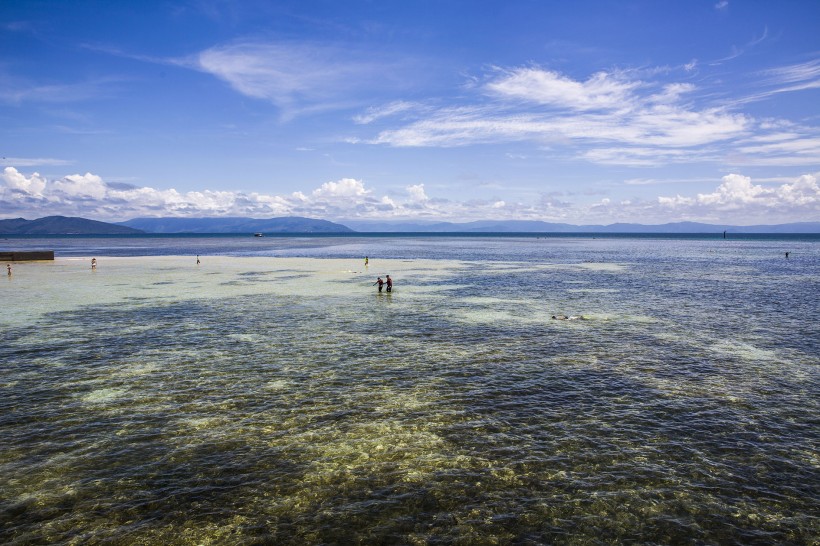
(26, 256)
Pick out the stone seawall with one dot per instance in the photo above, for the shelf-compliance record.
(26, 256)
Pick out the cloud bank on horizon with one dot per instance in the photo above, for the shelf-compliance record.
(582, 113)
(735, 199)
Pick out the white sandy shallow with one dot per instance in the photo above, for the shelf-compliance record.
(68, 283)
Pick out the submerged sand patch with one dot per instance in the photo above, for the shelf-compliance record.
(69, 283)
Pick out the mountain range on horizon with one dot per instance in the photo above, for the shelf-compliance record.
(61, 225)
(535, 226)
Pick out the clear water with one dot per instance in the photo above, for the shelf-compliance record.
(270, 395)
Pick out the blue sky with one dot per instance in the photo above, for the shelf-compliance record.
(580, 112)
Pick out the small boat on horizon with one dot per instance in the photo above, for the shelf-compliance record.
(257, 235)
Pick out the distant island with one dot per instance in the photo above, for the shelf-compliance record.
(63, 225)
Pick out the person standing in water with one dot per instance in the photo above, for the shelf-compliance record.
(389, 284)
(366, 261)
(93, 264)
(197, 259)
(380, 282)
(8, 267)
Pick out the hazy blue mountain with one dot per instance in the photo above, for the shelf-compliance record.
(484, 226)
(291, 224)
(522, 226)
(62, 225)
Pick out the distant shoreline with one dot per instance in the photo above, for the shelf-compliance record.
(435, 234)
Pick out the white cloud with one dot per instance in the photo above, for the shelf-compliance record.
(377, 112)
(612, 119)
(672, 93)
(261, 71)
(32, 185)
(32, 161)
(809, 146)
(781, 144)
(416, 193)
(795, 73)
(669, 129)
(653, 181)
(803, 192)
(346, 187)
(296, 77)
(607, 118)
(785, 79)
(602, 90)
(736, 190)
(736, 199)
(82, 186)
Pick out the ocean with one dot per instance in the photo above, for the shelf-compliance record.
(270, 394)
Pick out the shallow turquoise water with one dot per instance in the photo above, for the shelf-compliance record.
(281, 400)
